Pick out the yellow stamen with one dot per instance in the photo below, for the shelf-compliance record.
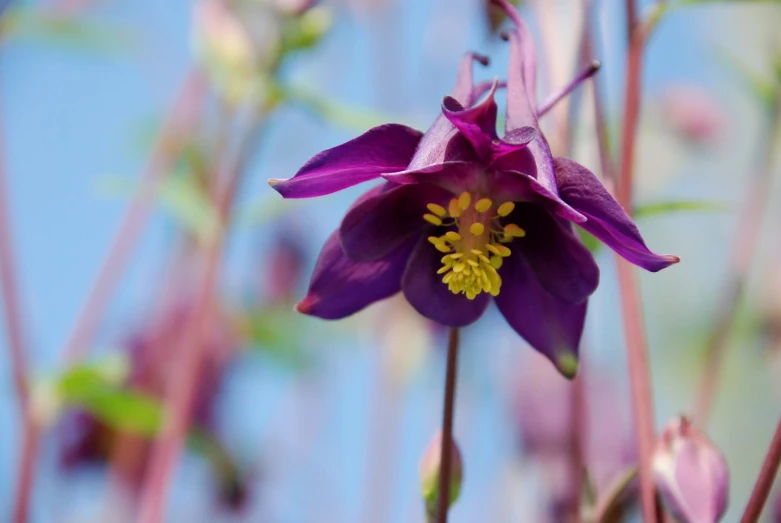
(436, 209)
(453, 236)
(434, 220)
(473, 249)
(505, 209)
(483, 205)
(513, 231)
(464, 200)
(453, 209)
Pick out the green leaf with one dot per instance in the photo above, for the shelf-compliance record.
(125, 410)
(653, 209)
(274, 332)
(98, 388)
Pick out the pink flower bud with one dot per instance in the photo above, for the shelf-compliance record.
(690, 473)
(429, 473)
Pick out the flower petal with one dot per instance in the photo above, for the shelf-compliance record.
(436, 146)
(607, 220)
(386, 148)
(561, 263)
(477, 123)
(341, 287)
(522, 101)
(379, 224)
(521, 79)
(457, 177)
(553, 327)
(424, 290)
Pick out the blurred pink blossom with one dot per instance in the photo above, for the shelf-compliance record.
(694, 114)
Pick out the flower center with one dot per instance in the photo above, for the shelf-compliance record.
(475, 250)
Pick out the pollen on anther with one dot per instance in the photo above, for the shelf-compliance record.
(453, 236)
(477, 229)
(505, 209)
(453, 209)
(514, 231)
(483, 204)
(464, 200)
(436, 209)
(434, 220)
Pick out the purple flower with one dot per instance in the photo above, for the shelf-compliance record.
(690, 473)
(464, 216)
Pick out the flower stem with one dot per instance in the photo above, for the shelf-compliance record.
(765, 480)
(743, 249)
(180, 121)
(443, 499)
(17, 351)
(192, 347)
(634, 329)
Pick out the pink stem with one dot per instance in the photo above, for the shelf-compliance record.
(443, 492)
(634, 329)
(17, 349)
(180, 122)
(30, 442)
(765, 480)
(191, 350)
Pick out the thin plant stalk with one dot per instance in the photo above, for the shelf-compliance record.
(743, 249)
(764, 484)
(191, 350)
(629, 289)
(180, 122)
(18, 350)
(443, 492)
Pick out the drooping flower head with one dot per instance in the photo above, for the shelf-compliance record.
(464, 216)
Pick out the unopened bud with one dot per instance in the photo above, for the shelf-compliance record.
(690, 473)
(429, 473)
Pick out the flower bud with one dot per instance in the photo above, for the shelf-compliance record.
(690, 473)
(694, 114)
(429, 473)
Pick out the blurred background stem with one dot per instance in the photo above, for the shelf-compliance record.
(765, 480)
(634, 328)
(743, 252)
(180, 122)
(17, 349)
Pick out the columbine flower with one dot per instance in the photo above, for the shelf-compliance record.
(465, 216)
(690, 473)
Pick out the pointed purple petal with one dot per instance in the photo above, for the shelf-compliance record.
(378, 224)
(341, 287)
(425, 291)
(386, 148)
(551, 326)
(436, 146)
(561, 263)
(521, 80)
(607, 220)
(476, 123)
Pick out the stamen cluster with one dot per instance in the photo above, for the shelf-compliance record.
(475, 246)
